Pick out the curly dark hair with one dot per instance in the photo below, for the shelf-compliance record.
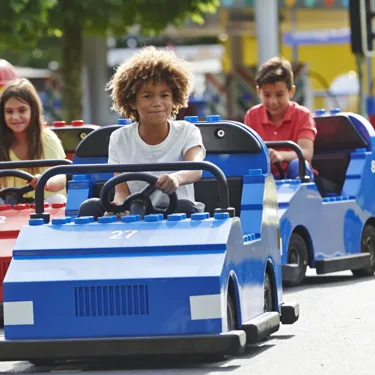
(150, 65)
(274, 70)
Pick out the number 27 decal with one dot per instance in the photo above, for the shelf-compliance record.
(122, 234)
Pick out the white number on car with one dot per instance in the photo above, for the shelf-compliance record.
(373, 166)
(3, 219)
(121, 234)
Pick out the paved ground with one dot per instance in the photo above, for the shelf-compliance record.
(335, 335)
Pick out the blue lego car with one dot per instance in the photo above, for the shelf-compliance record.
(329, 224)
(152, 283)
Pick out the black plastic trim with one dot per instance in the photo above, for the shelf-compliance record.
(290, 272)
(298, 150)
(289, 313)
(218, 138)
(346, 262)
(232, 343)
(33, 163)
(261, 326)
(223, 190)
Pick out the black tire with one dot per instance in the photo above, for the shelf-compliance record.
(367, 246)
(268, 297)
(297, 254)
(1, 315)
(231, 314)
(232, 325)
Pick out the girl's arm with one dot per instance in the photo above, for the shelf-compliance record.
(54, 184)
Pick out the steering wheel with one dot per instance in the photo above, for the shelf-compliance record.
(13, 194)
(280, 170)
(137, 203)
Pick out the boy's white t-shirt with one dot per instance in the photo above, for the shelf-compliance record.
(127, 147)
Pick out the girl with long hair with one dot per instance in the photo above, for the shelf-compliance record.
(23, 136)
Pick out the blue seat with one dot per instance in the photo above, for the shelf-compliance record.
(233, 147)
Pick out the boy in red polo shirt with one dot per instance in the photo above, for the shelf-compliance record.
(278, 118)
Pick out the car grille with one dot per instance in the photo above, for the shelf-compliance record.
(111, 300)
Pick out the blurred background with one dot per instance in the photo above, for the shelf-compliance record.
(69, 50)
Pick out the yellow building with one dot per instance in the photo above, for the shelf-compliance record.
(326, 60)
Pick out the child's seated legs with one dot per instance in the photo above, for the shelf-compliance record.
(55, 198)
(187, 207)
(293, 170)
(93, 207)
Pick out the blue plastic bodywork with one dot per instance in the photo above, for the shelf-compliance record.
(332, 226)
(83, 279)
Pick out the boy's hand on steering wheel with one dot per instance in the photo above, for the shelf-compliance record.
(275, 156)
(168, 184)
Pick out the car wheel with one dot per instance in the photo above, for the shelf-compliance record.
(231, 315)
(367, 246)
(268, 299)
(297, 254)
(231, 319)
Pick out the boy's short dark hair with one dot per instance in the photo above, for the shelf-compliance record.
(275, 70)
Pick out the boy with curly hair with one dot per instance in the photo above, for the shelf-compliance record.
(278, 118)
(150, 88)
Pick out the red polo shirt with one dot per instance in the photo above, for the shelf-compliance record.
(297, 123)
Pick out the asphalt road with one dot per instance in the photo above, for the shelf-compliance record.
(335, 335)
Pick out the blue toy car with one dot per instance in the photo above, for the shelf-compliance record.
(329, 224)
(152, 283)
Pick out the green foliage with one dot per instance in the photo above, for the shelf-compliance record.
(23, 22)
(26, 21)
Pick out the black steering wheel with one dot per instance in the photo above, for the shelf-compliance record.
(280, 170)
(137, 203)
(14, 195)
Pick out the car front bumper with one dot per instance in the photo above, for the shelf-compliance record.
(290, 272)
(230, 343)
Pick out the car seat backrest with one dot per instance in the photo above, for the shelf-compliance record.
(338, 132)
(232, 147)
(337, 138)
(70, 136)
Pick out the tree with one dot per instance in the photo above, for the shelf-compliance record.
(24, 22)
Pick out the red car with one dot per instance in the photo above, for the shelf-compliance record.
(15, 213)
